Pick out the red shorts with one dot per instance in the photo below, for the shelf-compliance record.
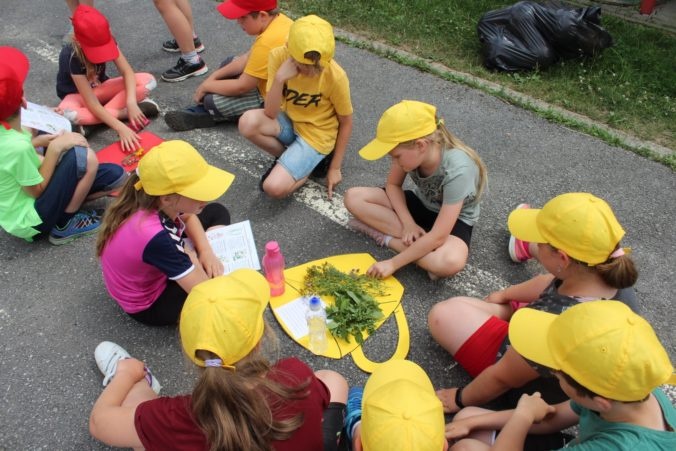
(481, 349)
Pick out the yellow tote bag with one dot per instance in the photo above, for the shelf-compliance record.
(337, 348)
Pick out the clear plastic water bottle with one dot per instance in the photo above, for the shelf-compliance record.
(273, 267)
(316, 323)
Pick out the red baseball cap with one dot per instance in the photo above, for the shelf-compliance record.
(92, 32)
(13, 71)
(234, 9)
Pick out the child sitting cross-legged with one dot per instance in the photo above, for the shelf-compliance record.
(610, 363)
(241, 401)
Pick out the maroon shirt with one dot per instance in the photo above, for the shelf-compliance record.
(167, 423)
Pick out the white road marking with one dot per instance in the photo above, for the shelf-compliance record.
(472, 281)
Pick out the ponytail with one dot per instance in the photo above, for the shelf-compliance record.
(90, 68)
(618, 272)
(449, 141)
(235, 407)
(129, 201)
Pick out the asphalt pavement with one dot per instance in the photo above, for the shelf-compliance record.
(54, 308)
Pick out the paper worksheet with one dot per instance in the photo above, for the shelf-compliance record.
(234, 245)
(292, 315)
(43, 118)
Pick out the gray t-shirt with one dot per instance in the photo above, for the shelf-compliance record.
(455, 180)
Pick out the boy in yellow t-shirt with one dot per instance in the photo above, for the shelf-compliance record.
(240, 83)
(307, 118)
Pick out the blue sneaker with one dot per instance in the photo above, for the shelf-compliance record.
(82, 223)
(354, 397)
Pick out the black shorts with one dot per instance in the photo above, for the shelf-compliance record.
(332, 426)
(425, 218)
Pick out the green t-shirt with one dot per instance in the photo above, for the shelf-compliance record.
(598, 434)
(456, 179)
(19, 165)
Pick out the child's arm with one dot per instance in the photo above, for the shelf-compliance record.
(207, 260)
(55, 149)
(273, 99)
(221, 81)
(561, 418)
(530, 409)
(128, 138)
(527, 291)
(110, 421)
(395, 193)
(334, 175)
(134, 113)
(430, 241)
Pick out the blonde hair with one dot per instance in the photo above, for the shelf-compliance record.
(90, 67)
(233, 408)
(448, 140)
(129, 201)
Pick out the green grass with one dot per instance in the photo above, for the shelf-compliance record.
(630, 86)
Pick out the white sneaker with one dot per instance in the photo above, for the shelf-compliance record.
(107, 354)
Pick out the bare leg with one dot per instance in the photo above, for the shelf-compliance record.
(262, 131)
(280, 184)
(483, 435)
(336, 384)
(180, 26)
(72, 4)
(445, 261)
(372, 206)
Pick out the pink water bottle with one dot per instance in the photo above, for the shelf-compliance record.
(273, 266)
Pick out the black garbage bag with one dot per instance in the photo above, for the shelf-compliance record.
(527, 35)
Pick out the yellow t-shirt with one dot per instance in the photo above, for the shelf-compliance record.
(273, 36)
(314, 103)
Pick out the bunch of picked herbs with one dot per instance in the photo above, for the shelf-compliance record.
(355, 309)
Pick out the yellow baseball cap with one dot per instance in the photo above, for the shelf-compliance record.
(580, 224)
(407, 120)
(603, 345)
(400, 410)
(311, 34)
(176, 167)
(224, 315)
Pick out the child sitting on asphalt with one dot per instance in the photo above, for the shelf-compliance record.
(307, 119)
(578, 240)
(396, 410)
(41, 196)
(240, 83)
(88, 95)
(146, 265)
(610, 363)
(241, 401)
(432, 225)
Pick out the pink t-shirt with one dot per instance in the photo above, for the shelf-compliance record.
(145, 251)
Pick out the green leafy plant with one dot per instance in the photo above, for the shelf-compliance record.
(355, 310)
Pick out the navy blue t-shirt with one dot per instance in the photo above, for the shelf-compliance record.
(69, 64)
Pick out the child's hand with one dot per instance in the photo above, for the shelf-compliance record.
(200, 92)
(43, 140)
(67, 140)
(287, 70)
(534, 406)
(457, 430)
(411, 233)
(496, 297)
(128, 139)
(133, 368)
(136, 116)
(334, 177)
(381, 269)
(212, 265)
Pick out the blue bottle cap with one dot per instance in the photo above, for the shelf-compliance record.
(314, 301)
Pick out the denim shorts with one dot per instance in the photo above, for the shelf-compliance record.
(299, 158)
(52, 203)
